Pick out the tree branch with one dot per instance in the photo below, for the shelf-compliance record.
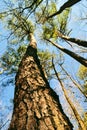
(77, 57)
(80, 121)
(32, 6)
(74, 82)
(68, 4)
(76, 41)
(4, 124)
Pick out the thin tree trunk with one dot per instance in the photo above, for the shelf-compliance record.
(77, 57)
(73, 40)
(36, 105)
(80, 121)
(74, 82)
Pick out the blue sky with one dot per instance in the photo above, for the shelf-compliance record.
(79, 31)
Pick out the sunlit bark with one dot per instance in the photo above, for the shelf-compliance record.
(36, 105)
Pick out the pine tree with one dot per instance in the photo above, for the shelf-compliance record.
(36, 105)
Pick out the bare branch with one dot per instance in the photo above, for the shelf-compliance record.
(77, 57)
(74, 82)
(4, 124)
(80, 121)
(68, 4)
(76, 41)
(32, 6)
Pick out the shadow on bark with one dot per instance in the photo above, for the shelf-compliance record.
(36, 105)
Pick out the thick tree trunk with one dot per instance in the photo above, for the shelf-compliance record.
(36, 105)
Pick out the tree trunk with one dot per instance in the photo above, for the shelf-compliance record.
(36, 105)
(80, 121)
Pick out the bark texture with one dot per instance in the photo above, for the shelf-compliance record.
(36, 105)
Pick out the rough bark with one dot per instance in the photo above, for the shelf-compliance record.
(36, 105)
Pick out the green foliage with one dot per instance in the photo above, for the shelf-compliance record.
(53, 26)
(50, 32)
(1, 16)
(82, 72)
(12, 57)
(20, 26)
(63, 20)
(51, 8)
(45, 10)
